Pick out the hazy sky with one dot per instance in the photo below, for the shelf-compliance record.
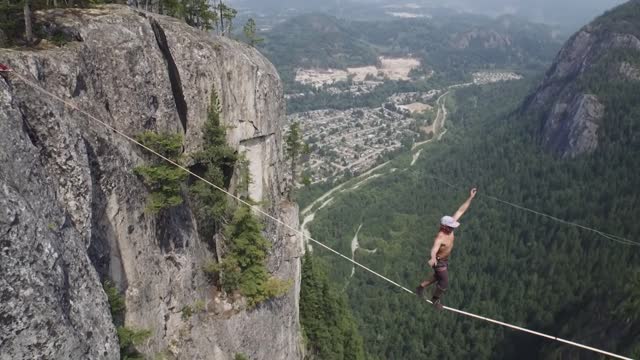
(569, 14)
(549, 11)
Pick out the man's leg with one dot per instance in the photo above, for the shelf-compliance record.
(442, 283)
(428, 282)
(423, 285)
(420, 289)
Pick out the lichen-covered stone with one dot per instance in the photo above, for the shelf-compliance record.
(69, 181)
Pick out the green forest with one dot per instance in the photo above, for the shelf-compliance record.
(330, 331)
(507, 264)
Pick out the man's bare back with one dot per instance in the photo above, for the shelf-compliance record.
(446, 245)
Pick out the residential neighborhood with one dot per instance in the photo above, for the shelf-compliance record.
(353, 141)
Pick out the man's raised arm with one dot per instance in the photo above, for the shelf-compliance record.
(463, 208)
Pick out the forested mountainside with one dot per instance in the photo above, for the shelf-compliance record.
(106, 252)
(508, 264)
(329, 328)
(452, 46)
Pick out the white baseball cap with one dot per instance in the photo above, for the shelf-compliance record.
(449, 221)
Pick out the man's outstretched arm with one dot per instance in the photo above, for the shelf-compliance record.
(463, 208)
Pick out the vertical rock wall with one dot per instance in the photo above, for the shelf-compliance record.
(72, 189)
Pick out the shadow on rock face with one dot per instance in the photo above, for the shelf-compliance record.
(174, 227)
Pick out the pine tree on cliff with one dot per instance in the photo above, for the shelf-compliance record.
(250, 32)
(28, 26)
(210, 205)
(226, 15)
(295, 148)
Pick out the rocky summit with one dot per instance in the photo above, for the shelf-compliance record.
(73, 211)
(572, 112)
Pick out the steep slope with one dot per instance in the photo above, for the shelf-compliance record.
(75, 210)
(507, 264)
(571, 98)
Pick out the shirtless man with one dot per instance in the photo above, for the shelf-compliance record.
(442, 246)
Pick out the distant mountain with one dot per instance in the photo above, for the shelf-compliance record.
(450, 44)
(569, 14)
(317, 40)
(282, 6)
(566, 14)
(586, 96)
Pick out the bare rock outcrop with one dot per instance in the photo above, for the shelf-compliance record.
(571, 113)
(487, 39)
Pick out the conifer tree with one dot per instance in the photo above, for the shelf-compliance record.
(28, 26)
(210, 204)
(295, 147)
(328, 325)
(163, 180)
(250, 33)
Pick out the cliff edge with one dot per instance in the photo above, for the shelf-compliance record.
(73, 211)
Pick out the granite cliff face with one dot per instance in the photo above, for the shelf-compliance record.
(572, 112)
(73, 210)
(487, 39)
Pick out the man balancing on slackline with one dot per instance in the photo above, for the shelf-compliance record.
(442, 246)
